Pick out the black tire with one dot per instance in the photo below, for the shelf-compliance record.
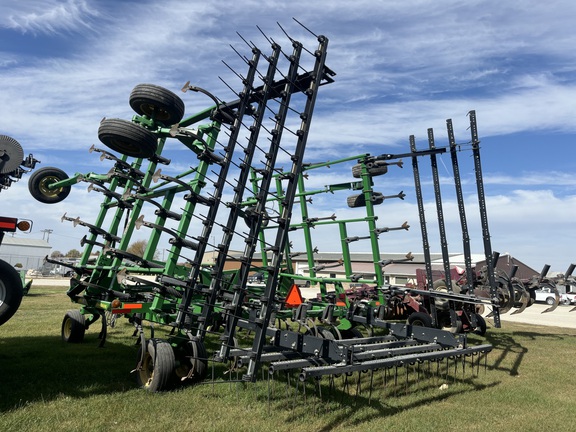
(193, 356)
(374, 169)
(355, 201)
(73, 327)
(419, 319)
(11, 291)
(325, 333)
(12, 154)
(351, 333)
(127, 138)
(157, 103)
(550, 300)
(157, 370)
(42, 178)
(480, 325)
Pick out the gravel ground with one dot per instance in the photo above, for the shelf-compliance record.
(561, 317)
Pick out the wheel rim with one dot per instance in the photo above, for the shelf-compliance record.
(154, 111)
(2, 293)
(67, 329)
(147, 371)
(45, 182)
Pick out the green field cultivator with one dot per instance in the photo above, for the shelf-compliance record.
(248, 177)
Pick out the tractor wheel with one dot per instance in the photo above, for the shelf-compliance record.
(355, 201)
(420, 319)
(193, 357)
(42, 178)
(10, 291)
(73, 327)
(127, 138)
(12, 154)
(480, 325)
(374, 169)
(157, 369)
(157, 103)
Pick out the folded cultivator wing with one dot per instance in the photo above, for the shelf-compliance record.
(248, 178)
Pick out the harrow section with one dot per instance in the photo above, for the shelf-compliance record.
(248, 175)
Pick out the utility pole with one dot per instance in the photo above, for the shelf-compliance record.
(46, 231)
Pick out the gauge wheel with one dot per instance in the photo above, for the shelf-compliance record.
(355, 201)
(127, 138)
(41, 179)
(480, 328)
(73, 327)
(158, 366)
(157, 103)
(10, 291)
(192, 362)
(420, 319)
(374, 169)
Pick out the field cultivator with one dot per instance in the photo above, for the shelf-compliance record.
(239, 190)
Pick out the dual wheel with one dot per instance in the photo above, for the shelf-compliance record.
(119, 135)
(131, 139)
(161, 366)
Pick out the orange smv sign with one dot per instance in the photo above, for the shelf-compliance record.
(294, 297)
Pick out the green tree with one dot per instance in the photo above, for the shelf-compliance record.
(73, 253)
(56, 254)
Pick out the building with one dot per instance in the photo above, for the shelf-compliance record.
(30, 253)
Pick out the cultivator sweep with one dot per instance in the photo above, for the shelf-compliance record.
(249, 175)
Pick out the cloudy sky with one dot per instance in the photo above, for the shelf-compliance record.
(402, 67)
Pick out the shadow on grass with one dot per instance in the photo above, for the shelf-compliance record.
(356, 404)
(44, 368)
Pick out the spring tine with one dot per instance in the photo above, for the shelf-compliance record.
(455, 369)
(269, 393)
(371, 384)
(406, 380)
(359, 384)
(418, 375)
(395, 379)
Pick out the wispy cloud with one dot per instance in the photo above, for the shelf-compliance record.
(48, 16)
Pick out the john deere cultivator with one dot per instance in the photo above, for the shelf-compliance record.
(248, 173)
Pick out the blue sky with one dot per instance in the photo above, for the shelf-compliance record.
(402, 67)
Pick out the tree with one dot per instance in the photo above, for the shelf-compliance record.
(56, 254)
(73, 253)
(139, 247)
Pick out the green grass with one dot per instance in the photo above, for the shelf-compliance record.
(47, 385)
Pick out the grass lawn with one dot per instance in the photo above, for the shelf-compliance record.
(48, 385)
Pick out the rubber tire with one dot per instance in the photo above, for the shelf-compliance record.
(13, 154)
(157, 372)
(550, 301)
(73, 327)
(351, 333)
(128, 138)
(375, 170)
(481, 325)
(196, 353)
(11, 291)
(325, 333)
(157, 103)
(419, 319)
(39, 181)
(355, 201)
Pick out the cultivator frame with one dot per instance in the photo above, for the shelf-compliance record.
(327, 335)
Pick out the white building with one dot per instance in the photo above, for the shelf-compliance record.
(28, 252)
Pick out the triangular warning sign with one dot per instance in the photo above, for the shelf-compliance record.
(294, 297)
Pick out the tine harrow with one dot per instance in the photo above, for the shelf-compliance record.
(239, 191)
